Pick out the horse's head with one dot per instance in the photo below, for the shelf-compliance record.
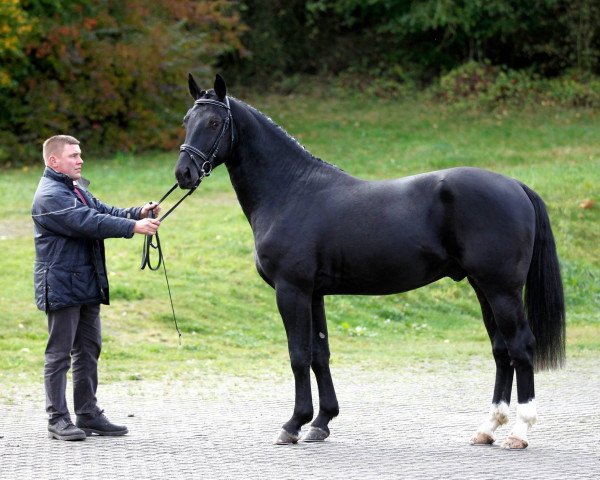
(208, 133)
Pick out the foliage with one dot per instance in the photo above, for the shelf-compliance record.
(573, 89)
(15, 25)
(422, 38)
(488, 86)
(111, 73)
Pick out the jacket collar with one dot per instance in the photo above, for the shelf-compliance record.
(82, 183)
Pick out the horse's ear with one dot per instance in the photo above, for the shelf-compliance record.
(220, 87)
(195, 91)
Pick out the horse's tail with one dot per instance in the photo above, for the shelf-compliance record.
(544, 299)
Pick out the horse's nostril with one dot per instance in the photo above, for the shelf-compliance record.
(187, 174)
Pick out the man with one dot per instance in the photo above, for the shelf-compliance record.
(71, 282)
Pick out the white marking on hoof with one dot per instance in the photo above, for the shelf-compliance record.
(315, 434)
(514, 443)
(286, 438)
(485, 433)
(526, 418)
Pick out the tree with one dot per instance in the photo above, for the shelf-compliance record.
(112, 73)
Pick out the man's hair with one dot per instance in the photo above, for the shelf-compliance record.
(56, 144)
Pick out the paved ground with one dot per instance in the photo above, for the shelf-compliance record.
(413, 425)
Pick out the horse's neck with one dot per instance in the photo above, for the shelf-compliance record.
(268, 166)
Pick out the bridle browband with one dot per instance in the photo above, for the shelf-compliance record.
(205, 168)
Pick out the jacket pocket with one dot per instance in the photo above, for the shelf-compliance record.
(84, 284)
(58, 288)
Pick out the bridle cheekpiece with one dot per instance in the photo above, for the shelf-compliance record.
(204, 161)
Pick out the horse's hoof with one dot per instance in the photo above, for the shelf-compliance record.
(481, 438)
(514, 443)
(315, 434)
(286, 438)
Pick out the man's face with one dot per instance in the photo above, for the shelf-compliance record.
(68, 162)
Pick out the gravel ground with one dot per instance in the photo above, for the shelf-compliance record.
(394, 424)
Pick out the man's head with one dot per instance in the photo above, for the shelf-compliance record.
(62, 154)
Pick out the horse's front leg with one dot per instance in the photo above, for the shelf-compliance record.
(295, 309)
(328, 404)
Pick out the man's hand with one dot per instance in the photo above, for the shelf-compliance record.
(146, 226)
(152, 206)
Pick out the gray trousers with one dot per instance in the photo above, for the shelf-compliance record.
(73, 334)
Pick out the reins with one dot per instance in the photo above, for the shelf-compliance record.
(149, 244)
(204, 170)
(148, 240)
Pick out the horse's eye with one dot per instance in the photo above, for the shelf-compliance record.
(213, 123)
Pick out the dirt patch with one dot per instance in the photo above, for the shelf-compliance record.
(15, 228)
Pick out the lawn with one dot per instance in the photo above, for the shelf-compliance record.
(228, 315)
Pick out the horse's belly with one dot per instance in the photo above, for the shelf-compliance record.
(386, 275)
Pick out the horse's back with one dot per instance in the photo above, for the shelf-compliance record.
(414, 230)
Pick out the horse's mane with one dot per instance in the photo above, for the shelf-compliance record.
(283, 132)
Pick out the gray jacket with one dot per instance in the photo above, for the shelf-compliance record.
(70, 266)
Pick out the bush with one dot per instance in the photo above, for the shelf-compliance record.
(574, 89)
(483, 85)
(111, 73)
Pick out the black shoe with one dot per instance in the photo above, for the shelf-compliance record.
(100, 425)
(64, 429)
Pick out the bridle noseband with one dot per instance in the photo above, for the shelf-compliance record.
(205, 168)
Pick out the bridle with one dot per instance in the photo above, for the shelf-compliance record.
(204, 170)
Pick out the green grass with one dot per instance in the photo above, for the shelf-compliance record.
(228, 315)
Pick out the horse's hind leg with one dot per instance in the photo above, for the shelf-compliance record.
(328, 404)
(498, 414)
(509, 314)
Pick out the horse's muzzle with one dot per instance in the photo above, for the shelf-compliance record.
(185, 172)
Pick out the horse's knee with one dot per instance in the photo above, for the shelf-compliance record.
(299, 364)
(300, 359)
(320, 361)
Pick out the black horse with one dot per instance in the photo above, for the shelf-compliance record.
(319, 231)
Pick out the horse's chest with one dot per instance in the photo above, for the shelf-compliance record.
(284, 256)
